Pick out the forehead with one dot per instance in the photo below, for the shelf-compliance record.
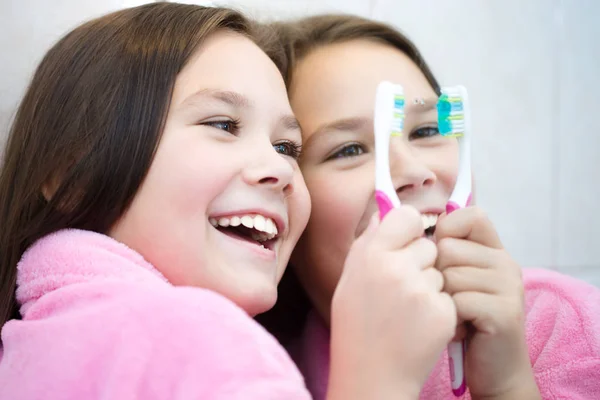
(231, 61)
(339, 81)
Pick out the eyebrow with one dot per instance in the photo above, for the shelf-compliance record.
(237, 100)
(233, 99)
(359, 123)
(344, 124)
(289, 123)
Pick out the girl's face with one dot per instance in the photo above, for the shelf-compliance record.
(333, 96)
(227, 158)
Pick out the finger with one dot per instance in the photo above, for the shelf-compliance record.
(450, 305)
(422, 252)
(472, 279)
(469, 223)
(460, 252)
(369, 232)
(461, 332)
(481, 309)
(399, 227)
(433, 279)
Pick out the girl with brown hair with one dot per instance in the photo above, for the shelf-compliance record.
(530, 333)
(150, 198)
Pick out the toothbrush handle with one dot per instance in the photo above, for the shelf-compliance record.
(384, 203)
(456, 361)
(453, 206)
(457, 350)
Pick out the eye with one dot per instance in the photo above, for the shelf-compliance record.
(288, 148)
(227, 125)
(349, 150)
(424, 132)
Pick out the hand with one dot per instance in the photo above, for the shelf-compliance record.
(487, 288)
(390, 321)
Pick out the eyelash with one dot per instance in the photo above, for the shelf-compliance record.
(293, 149)
(416, 134)
(433, 130)
(341, 152)
(235, 125)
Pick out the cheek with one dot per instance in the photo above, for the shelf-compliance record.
(339, 202)
(444, 162)
(167, 218)
(299, 208)
(179, 177)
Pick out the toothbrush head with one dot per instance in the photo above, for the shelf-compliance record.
(451, 112)
(454, 120)
(389, 110)
(398, 112)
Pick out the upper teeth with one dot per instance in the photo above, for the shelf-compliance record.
(265, 225)
(429, 220)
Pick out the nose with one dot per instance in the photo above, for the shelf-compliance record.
(409, 171)
(269, 169)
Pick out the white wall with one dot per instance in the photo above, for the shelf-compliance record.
(532, 70)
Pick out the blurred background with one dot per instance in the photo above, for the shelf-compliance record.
(533, 73)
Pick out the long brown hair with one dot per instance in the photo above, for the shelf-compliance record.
(88, 126)
(291, 42)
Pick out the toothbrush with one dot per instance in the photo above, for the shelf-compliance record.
(388, 121)
(454, 120)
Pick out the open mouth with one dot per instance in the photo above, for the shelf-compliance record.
(252, 228)
(429, 223)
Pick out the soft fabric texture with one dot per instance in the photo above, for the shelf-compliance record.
(563, 334)
(99, 322)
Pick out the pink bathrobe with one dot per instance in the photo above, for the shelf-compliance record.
(101, 323)
(563, 333)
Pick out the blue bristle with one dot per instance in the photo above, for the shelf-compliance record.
(450, 115)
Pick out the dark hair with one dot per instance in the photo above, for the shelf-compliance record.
(291, 42)
(89, 124)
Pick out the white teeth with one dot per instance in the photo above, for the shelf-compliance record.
(224, 222)
(265, 228)
(248, 221)
(271, 228)
(259, 223)
(429, 220)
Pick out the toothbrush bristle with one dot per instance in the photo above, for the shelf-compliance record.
(451, 116)
(398, 117)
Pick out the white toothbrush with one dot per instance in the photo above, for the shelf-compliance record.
(454, 120)
(388, 121)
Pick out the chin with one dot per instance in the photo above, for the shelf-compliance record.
(256, 298)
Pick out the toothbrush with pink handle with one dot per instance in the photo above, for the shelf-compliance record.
(388, 122)
(454, 120)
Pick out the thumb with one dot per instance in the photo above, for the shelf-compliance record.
(366, 236)
(371, 228)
